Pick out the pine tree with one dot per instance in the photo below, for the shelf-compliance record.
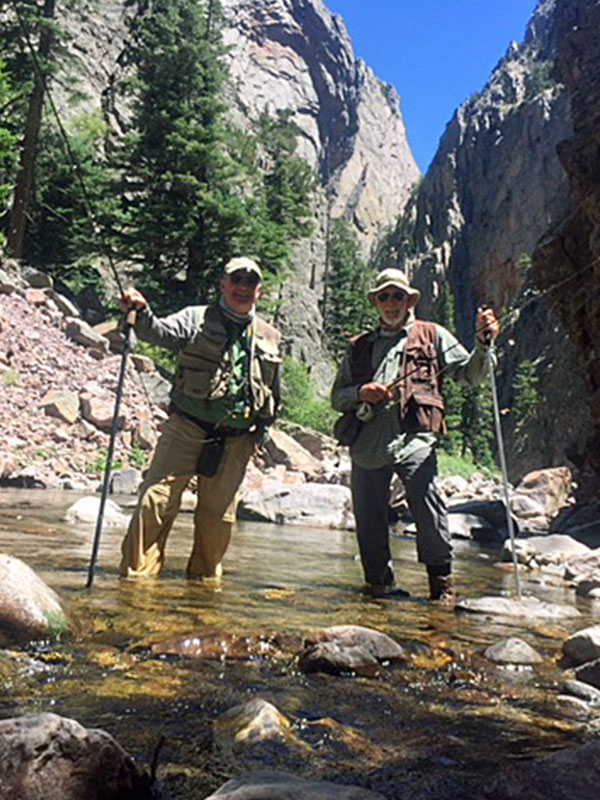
(348, 310)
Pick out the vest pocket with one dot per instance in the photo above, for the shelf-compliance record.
(424, 412)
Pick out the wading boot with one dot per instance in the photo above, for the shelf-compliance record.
(441, 590)
(387, 590)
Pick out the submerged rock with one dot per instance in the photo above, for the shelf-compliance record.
(378, 645)
(526, 607)
(282, 786)
(47, 757)
(572, 774)
(86, 510)
(203, 644)
(250, 723)
(29, 609)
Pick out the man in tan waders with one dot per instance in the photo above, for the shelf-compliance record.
(225, 392)
(392, 376)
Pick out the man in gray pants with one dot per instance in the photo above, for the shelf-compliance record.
(391, 377)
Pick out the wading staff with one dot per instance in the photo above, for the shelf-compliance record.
(500, 443)
(127, 329)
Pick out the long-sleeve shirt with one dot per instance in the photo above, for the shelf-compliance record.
(381, 440)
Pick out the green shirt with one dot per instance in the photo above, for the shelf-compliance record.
(381, 440)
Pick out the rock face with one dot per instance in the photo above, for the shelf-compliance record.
(495, 185)
(294, 56)
(47, 757)
(568, 255)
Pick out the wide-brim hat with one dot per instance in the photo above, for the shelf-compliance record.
(244, 264)
(394, 277)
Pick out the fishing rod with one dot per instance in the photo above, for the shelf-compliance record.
(130, 318)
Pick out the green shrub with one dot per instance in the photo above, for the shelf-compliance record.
(300, 403)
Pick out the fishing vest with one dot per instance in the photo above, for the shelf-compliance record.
(421, 401)
(204, 369)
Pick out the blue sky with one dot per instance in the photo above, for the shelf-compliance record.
(436, 53)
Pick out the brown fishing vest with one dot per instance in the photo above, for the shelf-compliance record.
(421, 401)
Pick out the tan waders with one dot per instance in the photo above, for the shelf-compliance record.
(173, 466)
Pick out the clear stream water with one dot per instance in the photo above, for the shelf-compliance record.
(441, 727)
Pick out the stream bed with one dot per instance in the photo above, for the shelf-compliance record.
(441, 727)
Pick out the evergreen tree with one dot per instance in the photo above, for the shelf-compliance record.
(7, 144)
(526, 393)
(348, 310)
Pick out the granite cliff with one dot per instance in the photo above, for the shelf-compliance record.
(292, 55)
(495, 187)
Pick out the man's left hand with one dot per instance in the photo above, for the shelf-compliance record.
(487, 325)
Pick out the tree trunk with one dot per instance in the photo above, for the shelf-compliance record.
(18, 216)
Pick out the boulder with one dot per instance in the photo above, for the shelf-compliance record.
(349, 649)
(86, 510)
(248, 724)
(29, 609)
(81, 332)
(582, 646)
(99, 411)
(482, 520)
(540, 551)
(512, 651)
(283, 449)
(513, 609)
(572, 774)
(542, 492)
(313, 504)
(125, 481)
(63, 405)
(589, 673)
(47, 757)
(282, 786)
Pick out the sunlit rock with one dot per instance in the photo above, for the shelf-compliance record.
(314, 504)
(349, 649)
(512, 651)
(47, 757)
(582, 646)
(249, 724)
(29, 609)
(282, 786)
(540, 551)
(517, 610)
(86, 510)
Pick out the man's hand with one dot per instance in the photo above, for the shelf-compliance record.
(132, 300)
(374, 392)
(487, 325)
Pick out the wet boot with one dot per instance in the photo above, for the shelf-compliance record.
(441, 587)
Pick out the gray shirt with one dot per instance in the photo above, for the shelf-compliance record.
(381, 440)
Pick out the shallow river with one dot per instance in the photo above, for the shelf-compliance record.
(440, 728)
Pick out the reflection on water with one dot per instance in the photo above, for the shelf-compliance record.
(442, 722)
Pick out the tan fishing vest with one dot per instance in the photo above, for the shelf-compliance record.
(204, 365)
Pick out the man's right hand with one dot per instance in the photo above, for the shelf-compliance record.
(374, 392)
(132, 300)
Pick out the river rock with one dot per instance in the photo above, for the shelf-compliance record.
(314, 504)
(481, 520)
(86, 510)
(526, 608)
(542, 493)
(582, 646)
(377, 644)
(281, 448)
(211, 644)
(125, 481)
(589, 673)
(349, 649)
(250, 723)
(282, 786)
(541, 551)
(512, 651)
(583, 566)
(572, 774)
(47, 757)
(583, 691)
(29, 609)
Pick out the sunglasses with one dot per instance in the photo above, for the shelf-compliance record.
(245, 278)
(383, 296)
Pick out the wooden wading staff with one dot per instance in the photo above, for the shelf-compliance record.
(127, 329)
